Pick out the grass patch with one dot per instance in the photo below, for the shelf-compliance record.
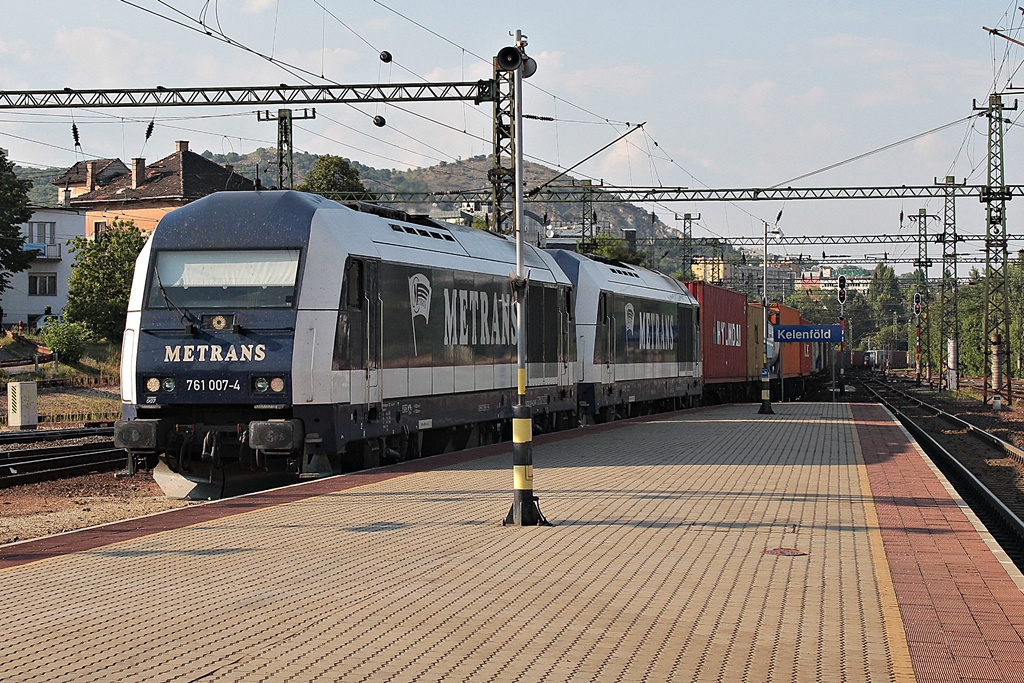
(100, 364)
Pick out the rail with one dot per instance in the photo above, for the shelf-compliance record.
(42, 464)
(1007, 519)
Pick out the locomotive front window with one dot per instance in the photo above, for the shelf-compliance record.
(224, 279)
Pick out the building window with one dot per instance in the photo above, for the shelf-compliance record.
(42, 285)
(98, 228)
(42, 233)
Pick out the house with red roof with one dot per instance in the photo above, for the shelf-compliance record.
(143, 193)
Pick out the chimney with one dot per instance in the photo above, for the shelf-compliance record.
(90, 176)
(181, 146)
(138, 173)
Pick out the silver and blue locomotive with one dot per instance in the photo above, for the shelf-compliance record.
(280, 331)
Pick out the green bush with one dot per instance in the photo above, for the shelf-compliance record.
(66, 339)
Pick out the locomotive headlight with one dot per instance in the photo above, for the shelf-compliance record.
(152, 385)
(261, 384)
(277, 385)
(169, 384)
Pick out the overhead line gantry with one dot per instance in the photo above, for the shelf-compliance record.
(995, 193)
(257, 95)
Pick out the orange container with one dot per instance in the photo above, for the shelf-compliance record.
(792, 352)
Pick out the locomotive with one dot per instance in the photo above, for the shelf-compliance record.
(278, 333)
(272, 331)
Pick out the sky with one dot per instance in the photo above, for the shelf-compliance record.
(737, 94)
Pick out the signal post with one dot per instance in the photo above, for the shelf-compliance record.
(917, 335)
(525, 510)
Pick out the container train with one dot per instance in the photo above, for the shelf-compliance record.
(281, 332)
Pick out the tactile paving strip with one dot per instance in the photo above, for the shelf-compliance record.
(964, 614)
(655, 571)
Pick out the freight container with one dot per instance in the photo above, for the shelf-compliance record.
(756, 343)
(791, 351)
(807, 353)
(723, 323)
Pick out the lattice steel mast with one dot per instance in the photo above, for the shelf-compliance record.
(949, 321)
(997, 288)
(502, 172)
(923, 263)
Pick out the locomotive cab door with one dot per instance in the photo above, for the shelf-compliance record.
(358, 341)
(565, 335)
(604, 340)
(374, 330)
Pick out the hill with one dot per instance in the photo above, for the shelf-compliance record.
(42, 192)
(466, 174)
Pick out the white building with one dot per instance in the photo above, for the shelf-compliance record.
(44, 284)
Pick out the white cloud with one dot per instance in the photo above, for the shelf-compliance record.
(95, 56)
(257, 6)
(473, 71)
(850, 50)
(625, 80)
(754, 101)
(815, 97)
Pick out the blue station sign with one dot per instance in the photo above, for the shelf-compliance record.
(808, 333)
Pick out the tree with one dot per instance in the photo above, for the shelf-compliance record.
(66, 339)
(821, 307)
(609, 247)
(14, 210)
(884, 295)
(101, 279)
(332, 174)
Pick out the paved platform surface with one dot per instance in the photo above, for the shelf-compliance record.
(656, 569)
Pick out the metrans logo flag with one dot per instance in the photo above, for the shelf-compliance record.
(808, 333)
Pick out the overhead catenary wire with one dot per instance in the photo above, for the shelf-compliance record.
(877, 150)
(212, 10)
(536, 190)
(297, 71)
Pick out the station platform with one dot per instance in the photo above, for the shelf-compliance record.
(716, 544)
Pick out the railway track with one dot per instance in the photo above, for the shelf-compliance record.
(986, 471)
(976, 384)
(41, 435)
(27, 465)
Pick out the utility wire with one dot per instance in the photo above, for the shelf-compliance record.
(876, 151)
(535, 191)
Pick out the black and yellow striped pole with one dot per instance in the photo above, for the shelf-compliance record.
(524, 511)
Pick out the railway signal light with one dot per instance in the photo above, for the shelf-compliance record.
(917, 303)
(842, 289)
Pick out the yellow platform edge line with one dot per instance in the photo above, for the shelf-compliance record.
(895, 632)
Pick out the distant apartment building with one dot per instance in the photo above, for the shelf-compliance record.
(744, 277)
(43, 288)
(827, 278)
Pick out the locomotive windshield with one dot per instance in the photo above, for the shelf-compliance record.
(224, 279)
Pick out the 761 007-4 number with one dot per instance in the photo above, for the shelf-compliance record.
(212, 385)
